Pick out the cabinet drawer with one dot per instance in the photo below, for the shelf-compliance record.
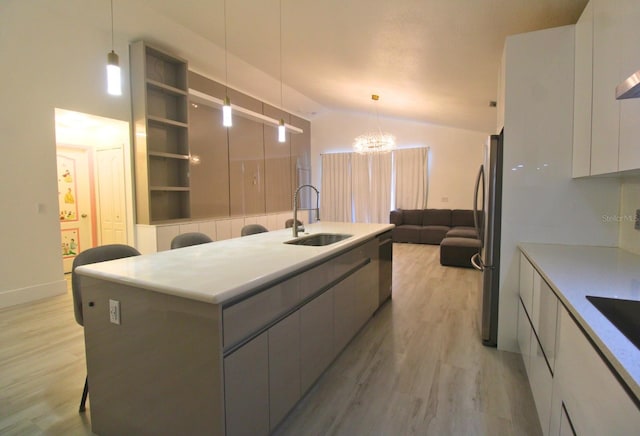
(250, 315)
(315, 278)
(545, 321)
(541, 382)
(594, 399)
(348, 261)
(526, 283)
(524, 337)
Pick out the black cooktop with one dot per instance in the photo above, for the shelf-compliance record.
(624, 314)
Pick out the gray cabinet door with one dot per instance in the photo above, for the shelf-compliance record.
(367, 292)
(345, 323)
(316, 338)
(246, 381)
(284, 367)
(355, 299)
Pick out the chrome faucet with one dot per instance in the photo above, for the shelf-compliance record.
(295, 208)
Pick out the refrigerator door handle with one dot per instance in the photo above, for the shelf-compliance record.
(476, 261)
(478, 221)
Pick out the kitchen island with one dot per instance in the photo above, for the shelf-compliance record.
(225, 337)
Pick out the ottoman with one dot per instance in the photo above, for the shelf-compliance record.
(462, 232)
(458, 251)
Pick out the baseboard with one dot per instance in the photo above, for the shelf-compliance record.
(13, 297)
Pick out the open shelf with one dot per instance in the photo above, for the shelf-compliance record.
(164, 68)
(168, 172)
(169, 205)
(168, 89)
(159, 98)
(163, 137)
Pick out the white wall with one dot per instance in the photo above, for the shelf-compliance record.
(541, 202)
(455, 154)
(629, 238)
(53, 56)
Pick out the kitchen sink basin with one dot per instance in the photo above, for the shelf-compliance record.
(319, 239)
(624, 314)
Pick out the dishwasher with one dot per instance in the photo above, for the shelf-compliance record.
(385, 259)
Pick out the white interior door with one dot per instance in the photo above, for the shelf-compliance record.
(75, 202)
(111, 196)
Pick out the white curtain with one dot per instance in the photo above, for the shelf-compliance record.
(380, 188)
(335, 192)
(411, 178)
(360, 183)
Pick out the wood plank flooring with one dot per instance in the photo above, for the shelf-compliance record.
(417, 367)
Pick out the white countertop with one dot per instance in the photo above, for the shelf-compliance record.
(574, 272)
(219, 271)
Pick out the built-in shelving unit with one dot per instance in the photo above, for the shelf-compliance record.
(159, 98)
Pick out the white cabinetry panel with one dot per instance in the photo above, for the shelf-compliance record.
(537, 337)
(541, 381)
(583, 94)
(546, 322)
(524, 337)
(595, 401)
(606, 131)
(606, 109)
(630, 63)
(526, 283)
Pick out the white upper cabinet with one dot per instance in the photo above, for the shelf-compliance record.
(606, 131)
(630, 63)
(583, 94)
(605, 127)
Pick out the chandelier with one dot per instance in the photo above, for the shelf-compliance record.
(375, 141)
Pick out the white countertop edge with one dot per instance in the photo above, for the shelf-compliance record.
(620, 352)
(311, 255)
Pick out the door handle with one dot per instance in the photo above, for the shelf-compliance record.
(84, 215)
(477, 262)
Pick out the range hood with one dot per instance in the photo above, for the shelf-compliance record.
(630, 88)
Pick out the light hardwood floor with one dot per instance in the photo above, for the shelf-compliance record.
(417, 367)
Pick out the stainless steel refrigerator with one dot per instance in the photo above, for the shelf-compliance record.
(487, 215)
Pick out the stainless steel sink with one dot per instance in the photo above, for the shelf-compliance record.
(624, 314)
(319, 239)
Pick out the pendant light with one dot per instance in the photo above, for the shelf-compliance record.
(281, 131)
(227, 120)
(375, 141)
(114, 82)
(281, 128)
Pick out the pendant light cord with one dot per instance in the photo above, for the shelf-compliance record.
(281, 100)
(226, 64)
(112, 44)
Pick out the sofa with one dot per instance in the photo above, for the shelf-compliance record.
(431, 226)
(453, 230)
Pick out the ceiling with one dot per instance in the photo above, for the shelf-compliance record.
(433, 61)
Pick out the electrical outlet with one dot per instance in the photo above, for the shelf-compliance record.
(114, 312)
(637, 223)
